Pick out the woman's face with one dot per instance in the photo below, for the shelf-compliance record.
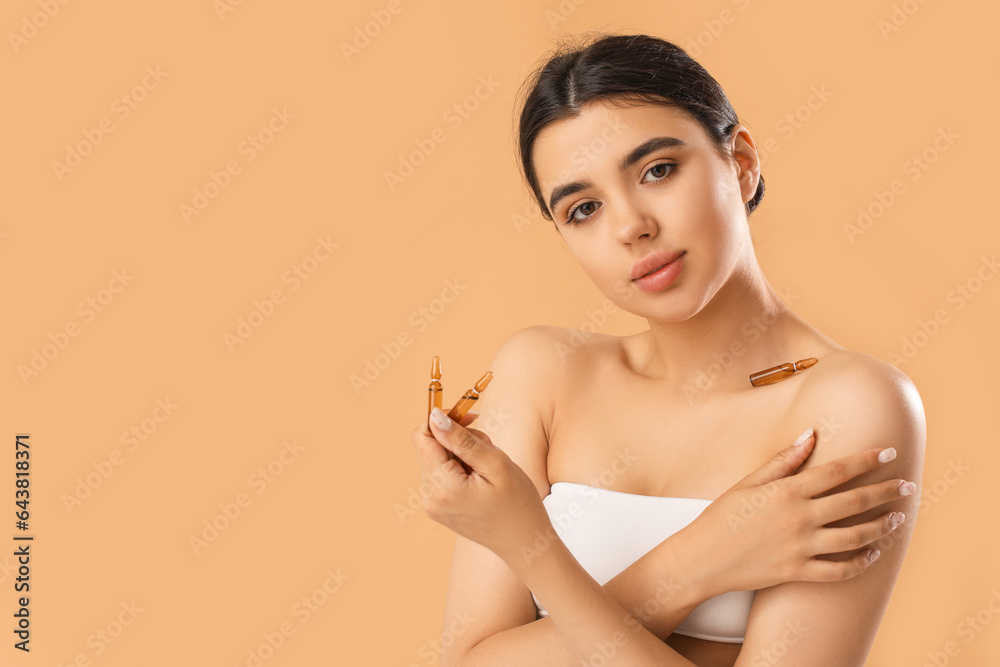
(673, 198)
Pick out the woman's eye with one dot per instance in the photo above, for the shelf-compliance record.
(658, 170)
(660, 173)
(584, 209)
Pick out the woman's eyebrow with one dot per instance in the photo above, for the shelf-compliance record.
(636, 154)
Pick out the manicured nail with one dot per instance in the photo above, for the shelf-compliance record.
(895, 519)
(886, 455)
(473, 413)
(802, 438)
(907, 488)
(873, 555)
(439, 418)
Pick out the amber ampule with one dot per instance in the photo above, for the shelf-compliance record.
(779, 373)
(469, 399)
(435, 388)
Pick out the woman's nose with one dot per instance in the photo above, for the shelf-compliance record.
(633, 222)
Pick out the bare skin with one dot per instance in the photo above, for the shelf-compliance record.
(695, 423)
(499, 507)
(682, 450)
(678, 397)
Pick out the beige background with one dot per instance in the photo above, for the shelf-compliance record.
(450, 261)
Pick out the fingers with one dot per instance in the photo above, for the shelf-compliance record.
(438, 467)
(430, 454)
(828, 571)
(781, 464)
(468, 418)
(460, 441)
(834, 473)
(848, 538)
(855, 501)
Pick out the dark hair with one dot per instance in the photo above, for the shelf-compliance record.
(622, 70)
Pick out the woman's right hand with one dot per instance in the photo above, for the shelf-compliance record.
(768, 527)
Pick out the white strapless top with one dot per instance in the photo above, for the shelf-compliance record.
(606, 531)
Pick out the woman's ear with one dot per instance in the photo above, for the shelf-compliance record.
(744, 151)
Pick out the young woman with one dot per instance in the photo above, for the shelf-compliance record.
(614, 510)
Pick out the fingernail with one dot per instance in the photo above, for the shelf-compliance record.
(895, 519)
(802, 438)
(873, 555)
(475, 415)
(440, 419)
(907, 488)
(886, 455)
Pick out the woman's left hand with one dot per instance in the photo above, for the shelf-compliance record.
(495, 503)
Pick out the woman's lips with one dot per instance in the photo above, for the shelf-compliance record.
(662, 277)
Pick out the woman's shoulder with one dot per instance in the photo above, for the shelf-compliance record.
(554, 346)
(553, 357)
(854, 372)
(870, 393)
(561, 354)
(527, 362)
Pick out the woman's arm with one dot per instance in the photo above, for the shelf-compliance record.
(866, 403)
(489, 613)
(654, 589)
(494, 504)
(596, 627)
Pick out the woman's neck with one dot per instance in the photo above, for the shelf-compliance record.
(745, 328)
